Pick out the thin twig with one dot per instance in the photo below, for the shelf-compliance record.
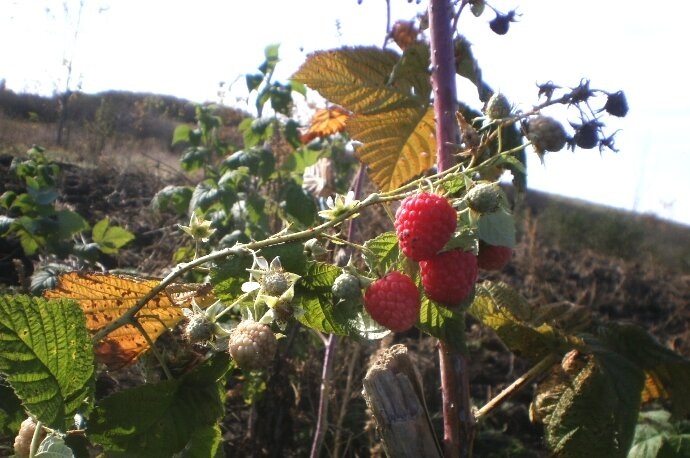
(538, 369)
(343, 406)
(326, 375)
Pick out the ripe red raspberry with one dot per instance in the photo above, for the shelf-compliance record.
(449, 277)
(252, 345)
(393, 301)
(493, 257)
(424, 223)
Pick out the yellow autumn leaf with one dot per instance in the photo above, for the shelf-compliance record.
(397, 145)
(106, 297)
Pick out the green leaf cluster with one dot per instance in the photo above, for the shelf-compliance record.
(33, 217)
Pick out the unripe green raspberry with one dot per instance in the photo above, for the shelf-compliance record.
(275, 283)
(546, 134)
(252, 345)
(199, 329)
(347, 286)
(497, 107)
(484, 197)
(22, 443)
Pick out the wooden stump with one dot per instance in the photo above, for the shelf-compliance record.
(393, 392)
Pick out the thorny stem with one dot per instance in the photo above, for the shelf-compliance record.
(458, 423)
(528, 376)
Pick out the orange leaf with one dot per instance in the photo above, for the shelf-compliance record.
(325, 122)
(106, 297)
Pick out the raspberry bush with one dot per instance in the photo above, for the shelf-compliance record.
(272, 253)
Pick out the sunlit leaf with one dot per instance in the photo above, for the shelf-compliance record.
(325, 122)
(396, 145)
(443, 323)
(110, 238)
(314, 297)
(46, 356)
(106, 297)
(382, 252)
(357, 79)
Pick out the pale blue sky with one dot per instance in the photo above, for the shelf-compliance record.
(187, 48)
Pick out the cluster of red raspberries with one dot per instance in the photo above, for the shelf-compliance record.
(424, 223)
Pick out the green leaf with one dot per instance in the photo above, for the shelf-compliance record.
(205, 194)
(298, 204)
(666, 370)
(501, 308)
(110, 238)
(227, 277)
(182, 134)
(477, 7)
(396, 145)
(413, 70)
(175, 197)
(301, 159)
(292, 256)
(11, 412)
(356, 79)
(47, 357)
(443, 323)
(657, 437)
(298, 87)
(382, 252)
(161, 419)
(205, 443)
(54, 447)
(70, 223)
(467, 67)
(497, 228)
(253, 81)
(195, 158)
(314, 297)
(597, 411)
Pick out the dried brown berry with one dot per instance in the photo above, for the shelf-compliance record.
(546, 134)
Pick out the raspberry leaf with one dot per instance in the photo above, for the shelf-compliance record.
(358, 79)
(162, 419)
(443, 323)
(382, 253)
(596, 410)
(313, 296)
(397, 145)
(667, 373)
(499, 307)
(46, 356)
(497, 228)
